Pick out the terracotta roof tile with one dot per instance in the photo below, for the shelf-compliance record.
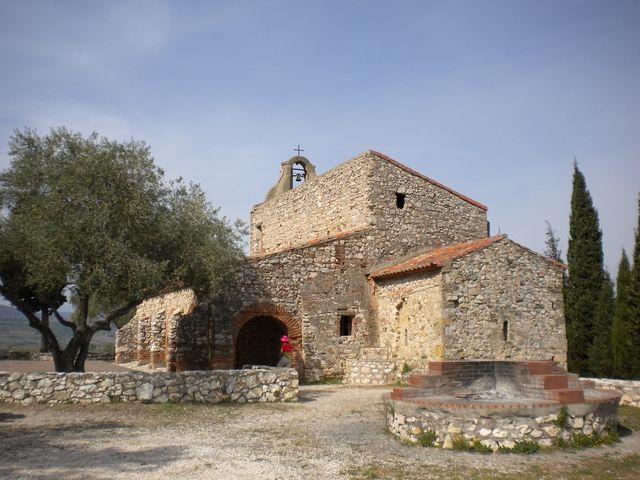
(430, 180)
(434, 259)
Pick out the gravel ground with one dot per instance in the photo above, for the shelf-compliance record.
(332, 432)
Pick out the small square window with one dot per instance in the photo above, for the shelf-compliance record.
(346, 325)
(400, 200)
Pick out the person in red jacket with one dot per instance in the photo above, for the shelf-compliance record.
(285, 353)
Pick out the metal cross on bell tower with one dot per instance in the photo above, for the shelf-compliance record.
(298, 149)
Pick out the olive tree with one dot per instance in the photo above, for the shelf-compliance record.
(94, 218)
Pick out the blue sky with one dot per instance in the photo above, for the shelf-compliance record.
(493, 98)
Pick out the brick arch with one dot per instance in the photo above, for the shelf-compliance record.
(294, 331)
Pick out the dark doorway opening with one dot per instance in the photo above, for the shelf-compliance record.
(258, 342)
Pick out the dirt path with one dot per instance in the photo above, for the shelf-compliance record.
(333, 432)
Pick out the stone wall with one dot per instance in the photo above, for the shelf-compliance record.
(629, 389)
(306, 289)
(170, 330)
(432, 215)
(502, 427)
(362, 193)
(332, 203)
(239, 386)
(372, 368)
(127, 342)
(410, 317)
(504, 282)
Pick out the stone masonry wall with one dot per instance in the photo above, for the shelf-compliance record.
(361, 193)
(630, 389)
(373, 367)
(500, 428)
(313, 286)
(432, 215)
(332, 203)
(410, 317)
(504, 282)
(239, 386)
(170, 330)
(127, 342)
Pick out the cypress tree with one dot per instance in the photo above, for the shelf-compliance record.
(634, 305)
(552, 244)
(586, 274)
(620, 339)
(600, 361)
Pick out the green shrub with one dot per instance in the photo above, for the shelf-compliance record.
(459, 443)
(406, 368)
(563, 414)
(526, 446)
(427, 438)
(580, 440)
(560, 442)
(610, 438)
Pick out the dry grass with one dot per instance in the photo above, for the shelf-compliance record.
(602, 468)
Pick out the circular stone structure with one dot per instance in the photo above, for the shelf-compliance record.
(498, 403)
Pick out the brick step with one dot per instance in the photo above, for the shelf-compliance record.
(555, 381)
(548, 381)
(565, 395)
(540, 367)
(408, 392)
(424, 380)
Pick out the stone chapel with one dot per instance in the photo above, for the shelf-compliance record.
(369, 268)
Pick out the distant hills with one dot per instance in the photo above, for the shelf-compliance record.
(8, 312)
(16, 334)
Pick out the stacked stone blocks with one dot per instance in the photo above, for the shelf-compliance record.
(237, 386)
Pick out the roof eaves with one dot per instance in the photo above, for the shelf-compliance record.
(446, 256)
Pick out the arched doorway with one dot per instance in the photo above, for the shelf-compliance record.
(258, 342)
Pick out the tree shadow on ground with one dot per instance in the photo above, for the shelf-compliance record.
(311, 394)
(75, 452)
(10, 417)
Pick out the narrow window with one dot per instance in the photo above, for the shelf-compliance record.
(505, 330)
(406, 337)
(400, 199)
(339, 252)
(259, 238)
(346, 324)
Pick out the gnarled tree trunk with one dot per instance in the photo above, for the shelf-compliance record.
(44, 340)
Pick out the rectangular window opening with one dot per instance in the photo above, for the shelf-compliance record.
(340, 255)
(400, 199)
(346, 325)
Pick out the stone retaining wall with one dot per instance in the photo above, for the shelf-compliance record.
(370, 372)
(630, 389)
(238, 386)
(499, 429)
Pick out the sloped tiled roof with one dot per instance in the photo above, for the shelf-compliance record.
(435, 258)
(430, 180)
